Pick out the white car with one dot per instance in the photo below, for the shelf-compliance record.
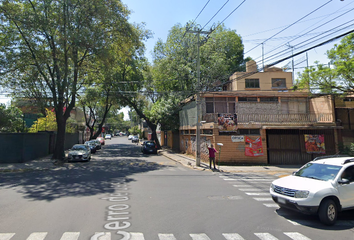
(130, 137)
(108, 136)
(79, 152)
(324, 186)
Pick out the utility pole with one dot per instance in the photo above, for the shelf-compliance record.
(198, 32)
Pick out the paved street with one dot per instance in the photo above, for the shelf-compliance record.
(124, 194)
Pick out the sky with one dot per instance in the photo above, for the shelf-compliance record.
(280, 26)
(274, 23)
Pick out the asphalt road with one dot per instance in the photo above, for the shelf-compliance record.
(123, 192)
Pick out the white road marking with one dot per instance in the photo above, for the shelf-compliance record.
(296, 236)
(271, 205)
(265, 236)
(263, 199)
(166, 237)
(201, 236)
(70, 236)
(232, 236)
(249, 189)
(37, 236)
(258, 194)
(136, 236)
(6, 236)
(241, 185)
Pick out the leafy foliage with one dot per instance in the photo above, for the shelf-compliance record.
(338, 79)
(48, 123)
(11, 119)
(46, 48)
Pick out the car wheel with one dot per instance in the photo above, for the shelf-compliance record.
(328, 212)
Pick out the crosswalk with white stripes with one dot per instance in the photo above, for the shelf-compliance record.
(161, 236)
(259, 193)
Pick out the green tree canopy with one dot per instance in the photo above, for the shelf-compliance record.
(11, 119)
(335, 79)
(46, 48)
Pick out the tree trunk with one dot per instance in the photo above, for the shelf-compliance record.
(154, 137)
(59, 153)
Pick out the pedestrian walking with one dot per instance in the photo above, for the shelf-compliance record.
(212, 152)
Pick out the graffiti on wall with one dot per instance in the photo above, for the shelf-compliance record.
(315, 143)
(227, 122)
(253, 148)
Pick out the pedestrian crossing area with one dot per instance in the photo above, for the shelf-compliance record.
(254, 186)
(161, 236)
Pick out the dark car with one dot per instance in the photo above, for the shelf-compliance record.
(98, 143)
(149, 147)
(92, 145)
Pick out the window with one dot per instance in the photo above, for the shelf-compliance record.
(247, 99)
(278, 83)
(220, 105)
(249, 131)
(268, 99)
(207, 131)
(192, 131)
(252, 83)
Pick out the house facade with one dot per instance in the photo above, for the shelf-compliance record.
(259, 120)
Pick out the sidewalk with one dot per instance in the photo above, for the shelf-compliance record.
(46, 163)
(191, 162)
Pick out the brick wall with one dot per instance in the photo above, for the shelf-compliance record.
(231, 152)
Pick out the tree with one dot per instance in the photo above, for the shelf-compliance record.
(46, 46)
(173, 76)
(335, 79)
(175, 68)
(48, 123)
(11, 119)
(96, 104)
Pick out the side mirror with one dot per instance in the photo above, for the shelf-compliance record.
(344, 181)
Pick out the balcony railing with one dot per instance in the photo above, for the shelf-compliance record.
(276, 118)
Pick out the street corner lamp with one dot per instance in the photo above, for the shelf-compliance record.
(220, 145)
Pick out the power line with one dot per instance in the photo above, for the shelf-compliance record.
(231, 13)
(216, 14)
(315, 29)
(290, 25)
(201, 11)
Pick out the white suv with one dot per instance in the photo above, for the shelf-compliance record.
(324, 186)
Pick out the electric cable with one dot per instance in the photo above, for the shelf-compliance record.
(313, 29)
(216, 14)
(291, 25)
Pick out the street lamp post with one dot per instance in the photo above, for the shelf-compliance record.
(197, 160)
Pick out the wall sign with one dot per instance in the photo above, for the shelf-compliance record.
(238, 138)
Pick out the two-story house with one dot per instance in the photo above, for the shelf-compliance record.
(259, 119)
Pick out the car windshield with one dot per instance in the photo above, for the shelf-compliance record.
(78, 147)
(150, 144)
(318, 171)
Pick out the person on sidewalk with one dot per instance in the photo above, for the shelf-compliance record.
(212, 152)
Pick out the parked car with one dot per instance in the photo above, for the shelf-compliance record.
(101, 139)
(98, 143)
(149, 147)
(92, 145)
(130, 137)
(108, 136)
(323, 186)
(135, 139)
(79, 152)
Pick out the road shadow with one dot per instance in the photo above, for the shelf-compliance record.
(114, 163)
(345, 220)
